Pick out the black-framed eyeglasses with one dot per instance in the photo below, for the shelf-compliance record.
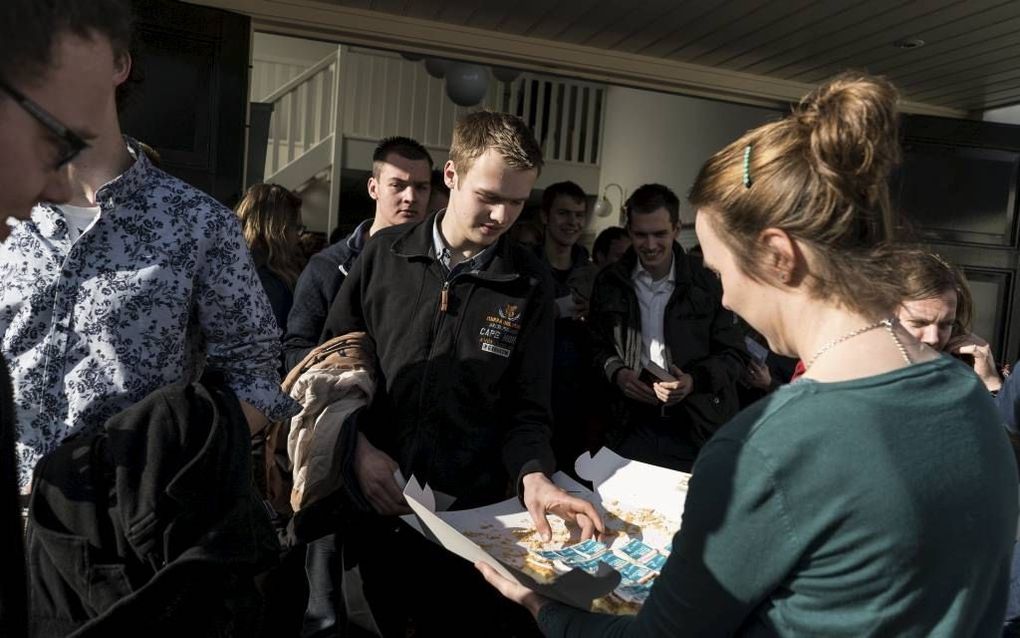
(71, 144)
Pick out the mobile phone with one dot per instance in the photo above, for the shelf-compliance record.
(965, 357)
(653, 373)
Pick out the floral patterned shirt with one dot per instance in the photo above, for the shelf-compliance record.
(157, 287)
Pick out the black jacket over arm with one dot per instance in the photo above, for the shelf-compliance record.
(151, 527)
(463, 398)
(702, 338)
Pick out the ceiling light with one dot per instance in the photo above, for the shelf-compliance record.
(909, 43)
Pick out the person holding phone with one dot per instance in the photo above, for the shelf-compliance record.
(937, 309)
(662, 337)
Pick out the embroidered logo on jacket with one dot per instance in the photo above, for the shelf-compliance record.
(499, 331)
(510, 312)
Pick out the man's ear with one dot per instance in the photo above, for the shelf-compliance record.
(450, 175)
(373, 187)
(121, 67)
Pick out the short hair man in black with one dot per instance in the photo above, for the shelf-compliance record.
(610, 245)
(462, 323)
(400, 185)
(659, 309)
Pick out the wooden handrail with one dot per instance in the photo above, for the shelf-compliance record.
(301, 78)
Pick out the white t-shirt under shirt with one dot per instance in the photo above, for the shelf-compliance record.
(653, 295)
(78, 219)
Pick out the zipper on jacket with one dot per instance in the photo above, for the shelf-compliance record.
(437, 321)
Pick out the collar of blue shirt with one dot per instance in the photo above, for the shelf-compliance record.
(478, 262)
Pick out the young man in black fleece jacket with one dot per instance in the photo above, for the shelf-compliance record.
(462, 322)
(400, 185)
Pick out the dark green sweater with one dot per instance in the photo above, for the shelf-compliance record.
(879, 506)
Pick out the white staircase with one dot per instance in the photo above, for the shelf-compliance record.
(368, 95)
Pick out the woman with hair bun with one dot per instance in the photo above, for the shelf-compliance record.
(877, 495)
(271, 223)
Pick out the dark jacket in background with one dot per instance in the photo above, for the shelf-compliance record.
(577, 415)
(701, 339)
(13, 585)
(151, 527)
(580, 262)
(459, 388)
(313, 295)
(281, 297)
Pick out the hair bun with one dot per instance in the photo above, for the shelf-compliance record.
(852, 124)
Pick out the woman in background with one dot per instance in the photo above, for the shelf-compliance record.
(938, 309)
(271, 222)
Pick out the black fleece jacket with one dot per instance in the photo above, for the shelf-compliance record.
(464, 363)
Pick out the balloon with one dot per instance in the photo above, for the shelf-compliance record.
(411, 57)
(505, 74)
(437, 67)
(466, 83)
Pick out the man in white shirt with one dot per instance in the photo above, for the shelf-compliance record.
(100, 308)
(662, 338)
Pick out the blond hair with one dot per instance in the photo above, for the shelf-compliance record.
(508, 134)
(821, 175)
(270, 219)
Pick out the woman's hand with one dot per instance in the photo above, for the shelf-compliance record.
(512, 590)
(984, 362)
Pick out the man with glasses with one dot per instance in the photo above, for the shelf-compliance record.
(36, 144)
(50, 91)
(138, 282)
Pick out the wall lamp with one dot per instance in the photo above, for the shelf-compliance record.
(604, 207)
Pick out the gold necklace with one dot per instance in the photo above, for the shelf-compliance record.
(886, 323)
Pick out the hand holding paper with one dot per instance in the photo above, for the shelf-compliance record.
(375, 470)
(512, 590)
(542, 496)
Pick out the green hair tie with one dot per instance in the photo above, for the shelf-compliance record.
(747, 166)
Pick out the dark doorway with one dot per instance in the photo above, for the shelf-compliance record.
(958, 189)
(191, 102)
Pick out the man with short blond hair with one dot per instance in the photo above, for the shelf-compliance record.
(462, 321)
